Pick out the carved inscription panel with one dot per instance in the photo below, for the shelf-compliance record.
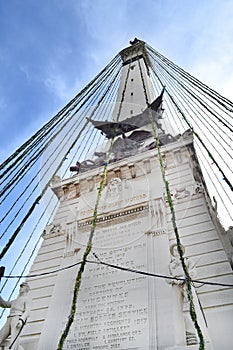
(112, 310)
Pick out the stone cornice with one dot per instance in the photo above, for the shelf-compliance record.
(134, 50)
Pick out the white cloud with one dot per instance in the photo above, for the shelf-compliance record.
(213, 50)
(106, 23)
(25, 70)
(216, 75)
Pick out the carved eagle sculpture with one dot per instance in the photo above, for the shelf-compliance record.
(113, 129)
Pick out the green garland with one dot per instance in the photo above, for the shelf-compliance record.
(82, 266)
(192, 310)
(179, 245)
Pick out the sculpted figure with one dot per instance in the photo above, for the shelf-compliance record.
(124, 147)
(179, 292)
(19, 312)
(101, 158)
(183, 321)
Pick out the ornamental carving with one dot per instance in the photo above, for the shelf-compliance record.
(198, 188)
(181, 193)
(155, 233)
(56, 179)
(157, 217)
(53, 229)
(114, 187)
(71, 240)
(120, 216)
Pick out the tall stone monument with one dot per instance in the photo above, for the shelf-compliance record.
(124, 309)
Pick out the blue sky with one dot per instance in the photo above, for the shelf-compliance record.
(50, 49)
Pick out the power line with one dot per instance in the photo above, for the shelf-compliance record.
(122, 268)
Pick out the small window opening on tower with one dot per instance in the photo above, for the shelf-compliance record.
(131, 79)
(132, 67)
(131, 93)
(131, 111)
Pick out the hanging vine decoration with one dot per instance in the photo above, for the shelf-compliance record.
(188, 282)
(83, 263)
(192, 310)
(91, 236)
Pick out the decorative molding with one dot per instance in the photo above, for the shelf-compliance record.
(77, 189)
(178, 156)
(56, 180)
(181, 193)
(66, 192)
(132, 170)
(71, 236)
(158, 217)
(91, 184)
(155, 232)
(118, 215)
(191, 338)
(117, 172)
(71, 252)
(147, 165)
(53, 230)
(164, 161)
